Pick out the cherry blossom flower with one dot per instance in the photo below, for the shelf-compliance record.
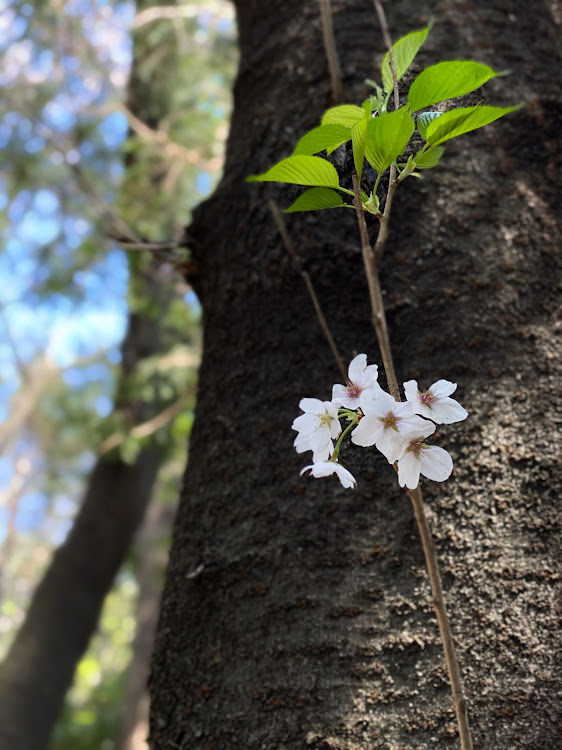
(360, 378)
(317, 428)
(388, 424)
(434, 403)
(325, 468)
(419, 458)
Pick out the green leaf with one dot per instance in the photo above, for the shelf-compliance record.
(300, 170)
(403, 52)
(324, 137)
(447, 80)
(315, 199)
(344, 114)
(459, 121)
(387, 137)
(423, 121)
(358, 135)
(429, 158)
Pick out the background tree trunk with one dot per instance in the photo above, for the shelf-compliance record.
(65, 607)
(310, 623)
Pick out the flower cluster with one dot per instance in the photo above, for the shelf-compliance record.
(397, 429)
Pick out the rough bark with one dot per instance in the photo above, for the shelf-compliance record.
(296, 614)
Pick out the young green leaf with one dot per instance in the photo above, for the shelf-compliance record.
(300, 170)
(403, 52)
(387, 137)
(327, 137)
(459, 121)
(423, 121)
(358, 134)
(344, 114)
(315, 199)
(447, 80)
(429, 158)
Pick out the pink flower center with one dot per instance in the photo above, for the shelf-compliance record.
(427, 399)
(416, 447)
(353, 390)
(390, 421)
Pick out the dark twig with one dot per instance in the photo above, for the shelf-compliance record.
(378, 316)
(278, 219)
(331, 50)
(415, 495)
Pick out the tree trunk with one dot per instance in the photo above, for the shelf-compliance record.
(65, 607)
(150, 565)
(296, 614)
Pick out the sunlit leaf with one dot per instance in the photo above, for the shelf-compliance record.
(447, 80)
(429, 158)
(300, 170)
(423, 121)
(315, 199)
(344, 114)
(387, 137)
(403, 52)
(459, 121)
(324, 137)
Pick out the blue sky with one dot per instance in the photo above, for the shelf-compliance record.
(41, 230)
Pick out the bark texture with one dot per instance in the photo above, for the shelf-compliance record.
(296, 614)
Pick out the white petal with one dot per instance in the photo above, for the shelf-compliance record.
(371, 373)
(357, 367)
(436, 463)
(447, 411)
(415, 426)
(411, 391)
(311, 405)
(365, 434)
(376, 402)
(325, 468)
(443, 388)
(391, 444)
(339, 393)
(319, 439)
(409, 470)
(346, 477)
(323, 455)
(302, 443)
(305, 423)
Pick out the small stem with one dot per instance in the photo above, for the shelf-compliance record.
(335, 454)
(388, 42)
(307, 280)
(442, 619)
(331, 50)
(378, 317)
(384, 219)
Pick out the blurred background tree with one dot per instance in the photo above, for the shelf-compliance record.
(94, 370)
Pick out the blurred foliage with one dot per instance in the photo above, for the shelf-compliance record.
(90, 719)
(80, 168)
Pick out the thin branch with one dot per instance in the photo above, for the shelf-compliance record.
(379, 321)
(442, 618)
(388, 42)
(170, 13)
(277, 217)
(145, 428)
(392, 184)
(189, 156)
(378, 316)
(331, 50)
(152, 246)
